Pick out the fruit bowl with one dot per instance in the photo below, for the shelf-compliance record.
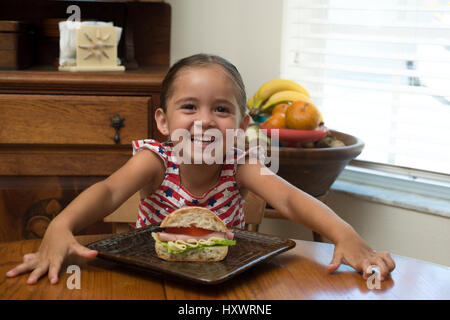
(293, 138)
(314, 170)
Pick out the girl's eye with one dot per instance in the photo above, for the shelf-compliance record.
(222, 110)
(188, 107)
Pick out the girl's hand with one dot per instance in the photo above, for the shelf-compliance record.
(58, 242)
(353, 251)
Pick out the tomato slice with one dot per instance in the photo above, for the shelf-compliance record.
(190, 231)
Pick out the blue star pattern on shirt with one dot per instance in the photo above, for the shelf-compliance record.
(157, 213)
(211, 201)
(168, 192)
(228, 204)
(195, 201)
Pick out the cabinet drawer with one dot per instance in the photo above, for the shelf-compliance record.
(71, 120)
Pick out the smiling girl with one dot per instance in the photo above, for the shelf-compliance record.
(199, 92)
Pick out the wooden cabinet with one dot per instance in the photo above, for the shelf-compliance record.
(69, 119)
(56, 133)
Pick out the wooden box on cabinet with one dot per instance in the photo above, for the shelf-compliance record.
(56, 132)
(15, 45)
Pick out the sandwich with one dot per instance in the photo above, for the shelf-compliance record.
(193, 234)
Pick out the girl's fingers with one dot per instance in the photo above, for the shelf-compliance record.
(82, 251)
(40, 270)
(335, 263)
(53, 270)
(366, 270)
(37, 268)
(388, 260)
(384, 269)
(376, 261)
(29, 257)
(22, 268)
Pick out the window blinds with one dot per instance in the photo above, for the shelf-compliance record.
(379, 70)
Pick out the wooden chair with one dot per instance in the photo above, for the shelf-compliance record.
(124, 218)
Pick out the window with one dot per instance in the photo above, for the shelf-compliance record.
(379, 70)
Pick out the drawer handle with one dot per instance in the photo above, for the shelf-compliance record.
(117, 123)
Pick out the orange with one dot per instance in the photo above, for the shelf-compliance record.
(276, 121)
(282, 107)
(302, 115)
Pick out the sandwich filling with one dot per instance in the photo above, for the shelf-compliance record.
(182, 239)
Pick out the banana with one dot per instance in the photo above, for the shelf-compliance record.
(283, 96)
(268, 89)
(250, 103)
(321, 117)
(253, 133)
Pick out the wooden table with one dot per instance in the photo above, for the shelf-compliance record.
(296, 274)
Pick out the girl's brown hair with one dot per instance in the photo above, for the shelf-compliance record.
(201, 60)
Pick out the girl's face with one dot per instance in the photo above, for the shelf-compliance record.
(202, 98)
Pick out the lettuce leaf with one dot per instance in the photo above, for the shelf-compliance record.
(218, 242)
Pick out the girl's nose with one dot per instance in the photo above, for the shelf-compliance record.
(207, 120)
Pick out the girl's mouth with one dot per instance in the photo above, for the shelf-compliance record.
(203, 139)
(202, 142)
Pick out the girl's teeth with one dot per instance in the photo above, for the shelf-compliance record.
(202, 140)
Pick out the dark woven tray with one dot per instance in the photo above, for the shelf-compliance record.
(137, 248)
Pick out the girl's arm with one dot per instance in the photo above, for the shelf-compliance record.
(104, 197)
(91, 205)
(304, 209)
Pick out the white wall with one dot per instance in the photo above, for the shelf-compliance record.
(248, 33)
(245, 32)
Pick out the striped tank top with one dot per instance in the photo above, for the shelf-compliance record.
(224, 199)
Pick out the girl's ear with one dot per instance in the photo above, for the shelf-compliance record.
(245, 122)
(161, 122)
